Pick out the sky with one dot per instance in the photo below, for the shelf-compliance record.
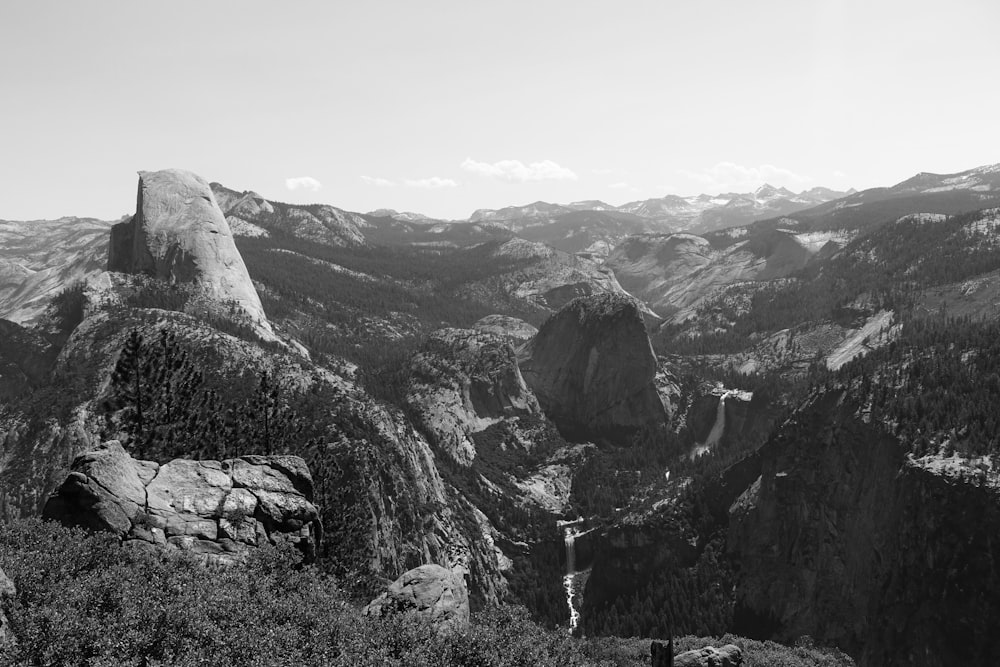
(445, 107)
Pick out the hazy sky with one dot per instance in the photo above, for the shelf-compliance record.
(444, 107)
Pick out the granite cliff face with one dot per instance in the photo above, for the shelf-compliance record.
(592, 368)
(847, 538)
(179, 235)
(464, 381)
(219, 510)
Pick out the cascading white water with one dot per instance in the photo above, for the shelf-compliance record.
(718, 428)
(570, 533)
(569, 538)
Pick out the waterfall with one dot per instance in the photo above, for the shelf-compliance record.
(718, 428)
(569, 538)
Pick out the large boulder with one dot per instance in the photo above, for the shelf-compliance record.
(431, 591)
(7, 593)
(729, 655)
(179, 235)
(218, 509)
(592, 367)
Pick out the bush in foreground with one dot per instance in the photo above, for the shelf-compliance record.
(84, 599)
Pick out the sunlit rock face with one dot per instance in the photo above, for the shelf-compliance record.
(592, 368)
(464, 381)
(219, 510)
(179, 235)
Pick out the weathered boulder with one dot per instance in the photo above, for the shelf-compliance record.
(218, 509)
(7, 593)
(178, 234)
(464, 381)
(729, 655)
(592, 368)
(431, 591)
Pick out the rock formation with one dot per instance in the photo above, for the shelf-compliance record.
(178, 234)
(430, 591)
(514, 330)
(729, 655)
(464, 381)
(662, 655)
(845, 537)
(7, 594)
(592, 368)
(217, 509)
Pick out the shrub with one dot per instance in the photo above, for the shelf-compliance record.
(84, 599)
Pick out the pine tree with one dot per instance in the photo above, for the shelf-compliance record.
(126, 383)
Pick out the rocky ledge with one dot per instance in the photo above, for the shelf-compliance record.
(220, 510)
(464, 381)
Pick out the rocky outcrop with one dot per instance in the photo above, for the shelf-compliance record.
(846, 538)
(430, 591)
(216, 509)
(729, 655)
(179, 235)
(7, 594)
(662, 655)
(464, 381)
(514, 330)
(592, 368)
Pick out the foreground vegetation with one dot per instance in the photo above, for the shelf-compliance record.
(85, 599)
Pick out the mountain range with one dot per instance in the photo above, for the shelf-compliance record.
(636, 421)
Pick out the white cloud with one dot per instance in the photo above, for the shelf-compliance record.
(432, 182)
(621, 185)
(515, 171)
(377, 182)
(839, 174)
(602, 172)
(732, 177)
(303, 183)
